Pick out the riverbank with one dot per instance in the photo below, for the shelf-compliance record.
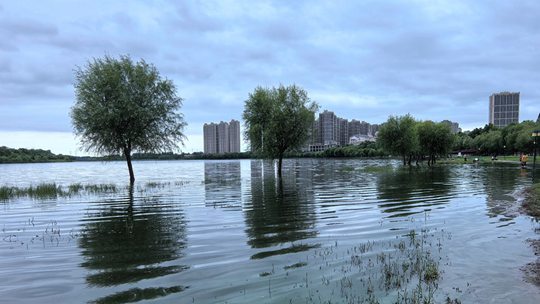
(513, 159)
(531, 206)
(531, 203)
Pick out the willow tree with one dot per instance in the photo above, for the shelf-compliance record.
(278, 120)
(435, 139)
(124, 106)
(398, 136)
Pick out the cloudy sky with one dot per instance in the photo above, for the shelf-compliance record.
(361, 59)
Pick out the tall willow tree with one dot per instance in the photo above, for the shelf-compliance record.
(278, 120)
(398, 136)
(124, 106)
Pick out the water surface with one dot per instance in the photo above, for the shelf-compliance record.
(230, 232)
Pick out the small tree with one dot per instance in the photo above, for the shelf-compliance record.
(398, 136)
(435, 139)
(278, 120)
(123, 107)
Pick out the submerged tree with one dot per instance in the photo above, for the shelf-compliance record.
(124, 107)
(398, 136)
(435, 139)
(278, 120)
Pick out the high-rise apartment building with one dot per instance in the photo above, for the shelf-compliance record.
(343, 131)
(222, 137)
(210, 138)
(503, 109)
(328, 128)
(234, 136)
(454, 126)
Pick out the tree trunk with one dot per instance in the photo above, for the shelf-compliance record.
(280, 163)
(404, 160)
(127, 154)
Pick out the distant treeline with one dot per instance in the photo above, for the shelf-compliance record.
(9, 155)
(365, 149)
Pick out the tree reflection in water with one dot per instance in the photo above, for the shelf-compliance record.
(407, 191)
(133, 239)
(223, 184)
(280, 211)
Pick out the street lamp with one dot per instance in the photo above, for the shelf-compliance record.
(535, 135)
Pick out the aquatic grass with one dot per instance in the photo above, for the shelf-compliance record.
(406, 268)
(75, 188)
(41, 191)
(101, 188)
(7, 192)
(151, 185)
(295, 265)
(45, 191)
(431, 272)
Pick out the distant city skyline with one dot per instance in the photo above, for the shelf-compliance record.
(435, 60)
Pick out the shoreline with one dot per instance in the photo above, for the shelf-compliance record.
(530, 205)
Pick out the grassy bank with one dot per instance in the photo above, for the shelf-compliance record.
(481, 159)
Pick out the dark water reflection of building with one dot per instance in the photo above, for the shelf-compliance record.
(280, 216)
(223, 184)
(130, 240)
(406, 191)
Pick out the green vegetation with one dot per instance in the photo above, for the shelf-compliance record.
(9, 155)
(122, 107)
(435, 139)
(490, 140)
(398, 136)
(412, 139)
(278, 120)
(420, 140)
(45, 191)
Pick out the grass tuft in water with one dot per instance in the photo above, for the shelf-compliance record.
(296, 265)
(431, 273)
(7, 192)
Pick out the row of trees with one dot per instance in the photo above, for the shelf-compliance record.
(10, 155)
(489, 140)
(124, 107)
(415, 140)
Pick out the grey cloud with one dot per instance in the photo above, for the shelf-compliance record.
(27, 28)
(437, 60)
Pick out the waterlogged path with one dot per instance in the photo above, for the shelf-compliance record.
(338, 231)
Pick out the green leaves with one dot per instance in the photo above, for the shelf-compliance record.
(404, 136)
(398, 135)
(123, 105)
(278, 120)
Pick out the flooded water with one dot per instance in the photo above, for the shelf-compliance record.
(331, 231)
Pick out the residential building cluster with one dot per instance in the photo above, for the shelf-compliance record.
(330, 130)
(221, 137)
